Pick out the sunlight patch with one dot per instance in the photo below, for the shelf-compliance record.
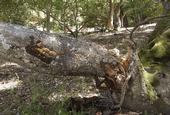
(58, 96)
(10, 64)
(4, 42)
(88, 95)
(54, 96)
(9, 84)
(107, 34)
(115, 51)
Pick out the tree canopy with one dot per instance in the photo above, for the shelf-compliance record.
(74, 15)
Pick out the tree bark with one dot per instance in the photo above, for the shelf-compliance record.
(125, 21)
(72, 56)
(110, 16)
(117, 16)
(48, 13)
(48, 20)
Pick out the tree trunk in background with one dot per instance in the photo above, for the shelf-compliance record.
(48, 20)
(48, 13)
(110, 16)
(125, 21)
(117, 16)
(76, 31)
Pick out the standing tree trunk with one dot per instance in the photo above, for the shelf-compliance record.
(125, 21)
(48, 16)
(76, 19)
(48, 21)
(117, 16)
(110, 16)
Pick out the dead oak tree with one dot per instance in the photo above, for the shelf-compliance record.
(69, 56)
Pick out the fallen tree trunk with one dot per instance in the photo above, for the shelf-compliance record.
(70, 56)
(67, 55)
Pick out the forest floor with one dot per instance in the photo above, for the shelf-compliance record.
(33, 89)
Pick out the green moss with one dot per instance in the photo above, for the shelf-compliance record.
(149, 78)
(145, 57)
(157, 50)
(161, 47)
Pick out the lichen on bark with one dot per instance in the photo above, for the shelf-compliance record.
(147, 79)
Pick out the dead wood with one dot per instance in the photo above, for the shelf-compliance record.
(68, 56)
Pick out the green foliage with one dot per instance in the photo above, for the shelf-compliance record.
(148, 78)
(138, 10)
(74, 14)
(14, 11)
(95, 13)
(39, 103)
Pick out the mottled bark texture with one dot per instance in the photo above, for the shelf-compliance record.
(69, 56)
(110, 16)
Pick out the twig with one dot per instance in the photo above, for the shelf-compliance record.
(17, 75)
(127, 29)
